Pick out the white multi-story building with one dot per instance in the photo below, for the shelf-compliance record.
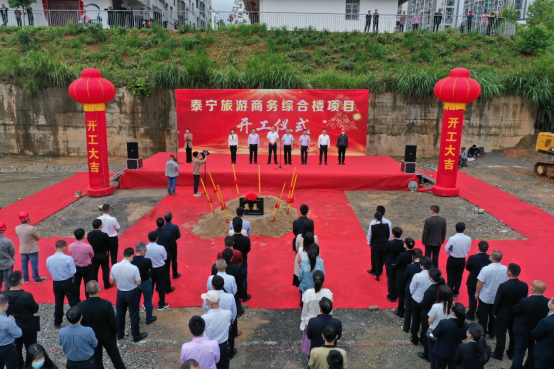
(334, 15)
(239, 14)
(494, 6)
(427, 8)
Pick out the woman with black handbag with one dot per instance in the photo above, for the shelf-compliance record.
(23, 307)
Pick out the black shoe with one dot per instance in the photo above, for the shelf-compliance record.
(268, 162)
(320, 163)
(496, 357)
(470, 318)
(161, 308)
(370, 272)
(412, 340)
(177, 276)
(171, 289)
(233, 353)
(109, 286)
(154, 318)
(456, 297)
(326, 163)
(422, 355)
(376, 277)
(510, 355)
(140, 337)
(255, 162)
(248, 296)
(250, 162)
(399, 314)
(276, 163)
(391, 300)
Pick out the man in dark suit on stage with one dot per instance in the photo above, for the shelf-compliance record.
(528, 312)
(99, 315)
(316, 324)
(175, 234)
(544, 335)
(164, 239)
(298, 224)
(434, 234)
(474, 265)
(507, 296)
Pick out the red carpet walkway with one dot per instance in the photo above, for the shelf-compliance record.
(342, 242)
(359, 173)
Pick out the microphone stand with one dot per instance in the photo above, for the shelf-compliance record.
(280, 156)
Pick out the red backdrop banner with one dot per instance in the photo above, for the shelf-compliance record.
(211, 114)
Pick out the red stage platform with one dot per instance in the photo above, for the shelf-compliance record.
(359, 173)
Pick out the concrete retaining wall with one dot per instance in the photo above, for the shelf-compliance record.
(49, 122)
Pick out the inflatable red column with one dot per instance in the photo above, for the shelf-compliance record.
(94, 91)
(455, 91)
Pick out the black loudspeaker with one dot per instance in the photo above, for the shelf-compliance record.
(132, 150)
(407, 167)
(134, 164)
(410, 153)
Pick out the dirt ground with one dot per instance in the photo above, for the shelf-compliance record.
(272, 338)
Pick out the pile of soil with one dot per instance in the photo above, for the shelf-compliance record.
(214, 226)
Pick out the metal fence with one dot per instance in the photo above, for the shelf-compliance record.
(216, 20)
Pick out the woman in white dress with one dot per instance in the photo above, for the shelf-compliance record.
(311, 298)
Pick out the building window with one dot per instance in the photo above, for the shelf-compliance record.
(352, 9)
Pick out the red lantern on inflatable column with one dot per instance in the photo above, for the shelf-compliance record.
(94, 92)
(455, 91)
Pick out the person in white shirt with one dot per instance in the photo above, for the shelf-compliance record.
(273, 137)
(323, 145)
(381, 210)
(111, 227)
(418, 286)
(304, 146)
(288, 145)
(457, 248)
(218, 322)
(488, 280)
(233, 145)
(253, 144)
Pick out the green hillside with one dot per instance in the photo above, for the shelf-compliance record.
(251, 56)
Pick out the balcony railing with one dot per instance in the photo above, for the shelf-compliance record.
(319, 21)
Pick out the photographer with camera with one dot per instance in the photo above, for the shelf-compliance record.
(171, 171)
(196, 163)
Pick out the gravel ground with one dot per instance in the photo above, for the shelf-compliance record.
(409, 210)
(128, 207)
(270, 339)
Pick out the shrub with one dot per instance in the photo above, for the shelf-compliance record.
(534, 39)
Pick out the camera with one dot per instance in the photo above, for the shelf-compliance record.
(205, 153)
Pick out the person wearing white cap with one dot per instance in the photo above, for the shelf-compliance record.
(217, 321)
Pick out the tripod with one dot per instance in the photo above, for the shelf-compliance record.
(280, 155)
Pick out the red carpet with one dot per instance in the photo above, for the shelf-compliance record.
(342, 242)
(359, 173)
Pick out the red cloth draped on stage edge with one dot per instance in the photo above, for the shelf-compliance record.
(94, 91)
(456, 91)
(211, 114)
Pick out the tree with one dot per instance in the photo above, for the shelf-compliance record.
(510, 12)
(20, 3)
(541, 12)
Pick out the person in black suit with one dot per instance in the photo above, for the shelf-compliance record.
(474, 265)
(380, 235)
(242, 244)
(409, 272)
(449, 333)
(507, 296)
(316, 324)
(404, 259)
(544, 335)
(392, 251)
(164, 239)
(100, 243)
(175, 235)
(298, 224)
(233, 270)
(476, 353)
(528, 312)
(429, 298)
(99, 314)
(434, 234)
